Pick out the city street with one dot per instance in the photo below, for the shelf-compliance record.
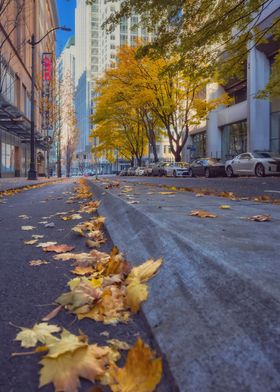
(28, 292)
(241, 186)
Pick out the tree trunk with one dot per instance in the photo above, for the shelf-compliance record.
(177, 156)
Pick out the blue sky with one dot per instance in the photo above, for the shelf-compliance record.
(66, 10)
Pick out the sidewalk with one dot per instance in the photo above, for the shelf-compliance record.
(20, 182)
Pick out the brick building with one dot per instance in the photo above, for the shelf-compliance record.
(19, 19)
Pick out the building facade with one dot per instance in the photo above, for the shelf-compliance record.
(96, 51)
(19, 19)
(249, 123)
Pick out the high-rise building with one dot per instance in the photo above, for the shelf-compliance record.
(96, 50)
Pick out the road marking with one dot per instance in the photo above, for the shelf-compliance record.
(272, 191)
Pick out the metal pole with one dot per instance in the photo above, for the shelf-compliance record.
(59, 136)
(32, 173)
(95, 158)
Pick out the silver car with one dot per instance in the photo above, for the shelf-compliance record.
(176, 169)
(253, 163)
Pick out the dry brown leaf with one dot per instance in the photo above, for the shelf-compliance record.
(83, 270)
(260, 218)
(30, 242)
(202, 214)
(52, 314)
(141, 373)
(118, 344)
(44, 244)
(93, 244)
(27, 228)
(58, 248)
(35, 263)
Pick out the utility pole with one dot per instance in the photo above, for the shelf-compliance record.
(95, 158)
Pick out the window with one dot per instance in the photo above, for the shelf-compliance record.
(94, 51)
(112, 37)
(94, 34)
(94, 59)
(123, 39)
(113, 46)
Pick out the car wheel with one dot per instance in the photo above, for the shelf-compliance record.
(207, 173)
(260, 171)
(174, 173)
(229, 171)
(191, 173)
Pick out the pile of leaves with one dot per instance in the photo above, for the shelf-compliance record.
(108, 288)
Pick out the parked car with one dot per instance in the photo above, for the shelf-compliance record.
(208, 167)
(258, 164)
(148, 170)
(158, 168)
(176, 169)
(139, 171)
(131, 171)
(123, 172)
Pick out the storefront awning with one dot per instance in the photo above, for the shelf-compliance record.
(14, 121)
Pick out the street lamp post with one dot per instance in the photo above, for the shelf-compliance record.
(32, 173)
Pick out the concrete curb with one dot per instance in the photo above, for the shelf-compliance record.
(211, 338)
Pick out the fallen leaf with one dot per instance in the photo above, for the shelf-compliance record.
(23, 216)
(30, 242)
(52, 314)
(141, 373)
(105, 333)
(83, 270)
(58, 248)
(44, 244)
(136, 293)
(38, 333)
(199, 195)
(144, 271)
(51, 224)
(225, 207)
(93, 244)
(202, 214)
(35, 263)
(27, 228)
(167, 193)
(260, 218)
(37, 236)
(118, 344)
(64, 371)
(133, 202)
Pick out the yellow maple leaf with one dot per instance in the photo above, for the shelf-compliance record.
(39, 333)
(141, 373)
(68, 343)
(144, 271)
(64, 371)
(136, 293)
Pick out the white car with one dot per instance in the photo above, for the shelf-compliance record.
(176, 169)
(139, 171)
(258, 164)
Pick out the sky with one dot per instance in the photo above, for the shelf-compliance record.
(66, 11)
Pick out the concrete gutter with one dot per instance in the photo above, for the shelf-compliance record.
(217, 326)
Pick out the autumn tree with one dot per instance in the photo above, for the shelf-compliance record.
(174, 100)
(204, 34)
(117, 126)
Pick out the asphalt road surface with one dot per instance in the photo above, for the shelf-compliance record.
(241, 186)
(27, 292)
